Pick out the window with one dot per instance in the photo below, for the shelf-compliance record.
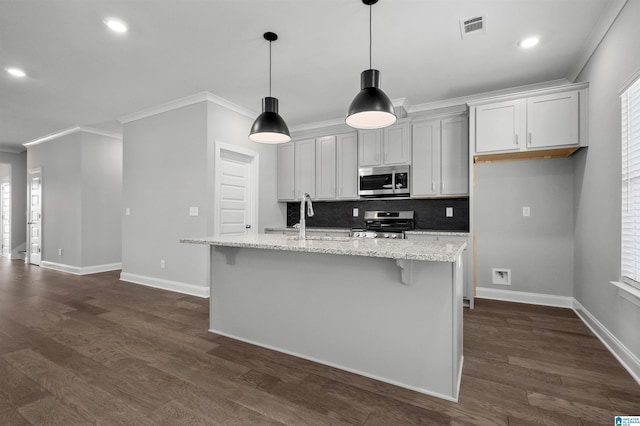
(631, 185)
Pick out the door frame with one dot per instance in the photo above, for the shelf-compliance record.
(28, 251)
(254, 180)
(9, 253)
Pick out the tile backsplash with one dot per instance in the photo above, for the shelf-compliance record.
(429, 213)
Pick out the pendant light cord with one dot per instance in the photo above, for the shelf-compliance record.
(370, 36)
(269, 68)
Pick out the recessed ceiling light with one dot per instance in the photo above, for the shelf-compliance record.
(16, 72)
(116, 25)
(529, 42)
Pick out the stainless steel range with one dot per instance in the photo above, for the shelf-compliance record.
(384, 224)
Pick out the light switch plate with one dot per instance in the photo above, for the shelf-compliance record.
(449, 211)
(193, 211)
(355, 212)
(127, 211)
(526, 211)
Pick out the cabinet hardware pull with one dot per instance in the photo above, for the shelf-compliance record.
(529, 141)
(516, 139)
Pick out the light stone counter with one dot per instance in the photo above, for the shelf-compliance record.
(434, 251)
(437, 233)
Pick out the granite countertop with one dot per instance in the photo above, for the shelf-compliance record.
(343, 230)
(435, 251)
(309, 229)
(437, 233)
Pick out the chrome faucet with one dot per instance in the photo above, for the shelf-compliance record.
(303, 231)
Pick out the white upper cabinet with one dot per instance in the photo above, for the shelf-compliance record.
(347, 165)
(388, 146)
(369, 147)
(305, 168)
(440, 157)
(286, 174)
(499, 126)
(425, 170)
(454, 154)
(396, 144)
(555, 119)
(326, 168)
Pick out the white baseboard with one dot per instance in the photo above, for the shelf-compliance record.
(178, 287)
(524, 297)
(626, 358)
(81, 270)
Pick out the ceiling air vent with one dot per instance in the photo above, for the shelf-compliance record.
(473, 26)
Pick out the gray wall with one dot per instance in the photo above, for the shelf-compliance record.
(101, 205)
(168, 168)
(597, 182)
(164, 174)
(537, 249)
(59, 160)
(81, 198)
(18, 176)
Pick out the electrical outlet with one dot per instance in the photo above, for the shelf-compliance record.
(449, 212)
(162, 263)
(526, 211)
(501, 276)
(354, 212)
(193, 211)
(127, 211)
(59, 252)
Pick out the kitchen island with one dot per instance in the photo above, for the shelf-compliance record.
(388, 310)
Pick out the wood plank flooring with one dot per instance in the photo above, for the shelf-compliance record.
(94, 350)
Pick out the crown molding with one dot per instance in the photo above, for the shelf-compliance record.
(598, 34)
(186, 101)
(70, 130)
(11, 150)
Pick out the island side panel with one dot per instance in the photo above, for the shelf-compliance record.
(351, 312)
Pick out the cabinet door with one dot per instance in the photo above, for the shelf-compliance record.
(454, 164)
(369, 147)
(286, 174)
(326, 168)
(396, 143)
(347, 165)
(553, 120)
(499, 126)
(425, 169)
(305, 168)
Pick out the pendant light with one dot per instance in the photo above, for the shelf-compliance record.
(269, 127)
(371, 108)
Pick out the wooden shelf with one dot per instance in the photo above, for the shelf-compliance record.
(524, 155)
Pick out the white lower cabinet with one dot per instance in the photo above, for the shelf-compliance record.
(440, 157)
(467, 257)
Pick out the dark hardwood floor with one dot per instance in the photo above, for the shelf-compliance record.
(94, 350)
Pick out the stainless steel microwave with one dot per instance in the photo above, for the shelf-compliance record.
(386, 181)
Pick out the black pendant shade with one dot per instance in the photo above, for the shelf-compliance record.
(269, 127)
(371, 108)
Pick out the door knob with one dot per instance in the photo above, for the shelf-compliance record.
(247, 226)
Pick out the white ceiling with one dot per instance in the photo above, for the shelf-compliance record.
(80, 73)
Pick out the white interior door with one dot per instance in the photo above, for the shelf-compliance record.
(5, 211)
(35, 217)
(235, 191)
